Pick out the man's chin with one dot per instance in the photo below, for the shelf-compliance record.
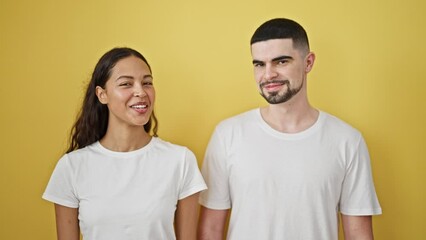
(273, 98)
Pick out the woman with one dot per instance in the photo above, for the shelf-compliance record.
(116, 181)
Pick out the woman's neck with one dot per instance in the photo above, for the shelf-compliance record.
(125, 140)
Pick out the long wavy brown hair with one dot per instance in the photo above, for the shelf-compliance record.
(92, 120)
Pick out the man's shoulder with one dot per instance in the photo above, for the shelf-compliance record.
(240, 119)
(338, 125)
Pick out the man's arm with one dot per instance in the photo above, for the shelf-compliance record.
(357, 227)
(212, 224)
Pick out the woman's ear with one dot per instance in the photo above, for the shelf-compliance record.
(102, 95)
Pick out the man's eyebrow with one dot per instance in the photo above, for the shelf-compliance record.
(256, 61)
(280, 58)
(284, 57)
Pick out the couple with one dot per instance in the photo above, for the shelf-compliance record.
(286, 170)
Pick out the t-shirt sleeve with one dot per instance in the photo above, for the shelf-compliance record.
(358, 196)
(60, 189)
(193, 181)
(215, 173)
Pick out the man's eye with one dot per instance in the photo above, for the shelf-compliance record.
(282, 62)
(258, 65)
(148, 83)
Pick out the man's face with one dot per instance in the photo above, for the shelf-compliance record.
(279, 69)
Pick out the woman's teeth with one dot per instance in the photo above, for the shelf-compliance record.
(139, 106)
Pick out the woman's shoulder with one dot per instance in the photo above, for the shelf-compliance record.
(83, 153)
(169, 146)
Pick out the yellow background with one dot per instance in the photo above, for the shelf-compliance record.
(370, 71)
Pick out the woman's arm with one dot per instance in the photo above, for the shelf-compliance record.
(67, 223)
(186, 218)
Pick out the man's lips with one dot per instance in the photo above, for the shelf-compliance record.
(273, 84)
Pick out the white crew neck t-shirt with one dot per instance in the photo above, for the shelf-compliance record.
(125, 195)
(287, 186)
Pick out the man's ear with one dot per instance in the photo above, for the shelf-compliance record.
(310, 59)
(101, 94)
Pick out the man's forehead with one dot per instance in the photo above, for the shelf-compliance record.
(277, 41)
(273, 48)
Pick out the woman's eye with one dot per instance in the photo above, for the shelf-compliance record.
(124, 84)
(147, 83)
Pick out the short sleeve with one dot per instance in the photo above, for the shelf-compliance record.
(215, 173)
(358, 193)
(60, 189)
(193, 181)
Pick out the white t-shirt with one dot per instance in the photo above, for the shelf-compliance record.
(125, 195)
(287, 186)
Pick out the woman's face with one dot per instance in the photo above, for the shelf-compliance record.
(129, 93)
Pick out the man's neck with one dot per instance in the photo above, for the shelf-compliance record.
(288, 117)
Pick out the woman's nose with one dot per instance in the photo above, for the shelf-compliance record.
(139, 92)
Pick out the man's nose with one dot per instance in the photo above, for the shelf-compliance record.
(270, 72)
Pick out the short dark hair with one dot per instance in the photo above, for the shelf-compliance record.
(281, 28)
(92, 120)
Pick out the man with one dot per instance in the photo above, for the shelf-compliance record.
(287, 170)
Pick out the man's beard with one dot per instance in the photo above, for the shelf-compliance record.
(276, 97)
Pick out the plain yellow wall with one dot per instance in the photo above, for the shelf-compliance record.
(369, 71)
